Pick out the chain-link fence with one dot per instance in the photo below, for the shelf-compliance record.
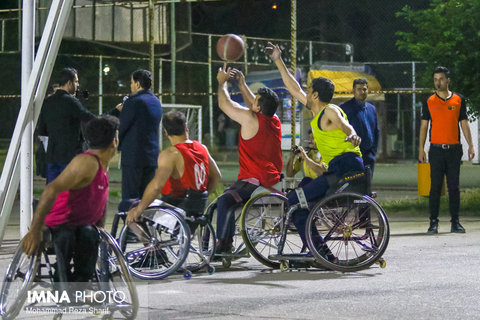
(108, 41)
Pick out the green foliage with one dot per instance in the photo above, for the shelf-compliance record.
(447, 34)
(469, 204)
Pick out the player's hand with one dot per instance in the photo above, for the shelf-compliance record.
(133, 214)
(237, 75)
(273, 51)
(31, 242)
(302, 153)
(223, 74)
(471, 153)
(422, 156)
(119, 106)
(354, 139)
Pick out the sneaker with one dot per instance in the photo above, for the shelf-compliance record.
(433, 229)
(457, 227)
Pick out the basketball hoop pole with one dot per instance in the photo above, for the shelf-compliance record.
(293, 66)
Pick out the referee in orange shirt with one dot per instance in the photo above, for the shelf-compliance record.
(445, 110)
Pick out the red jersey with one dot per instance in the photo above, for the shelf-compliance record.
(195, 175)
(261, 156)
(83, 206)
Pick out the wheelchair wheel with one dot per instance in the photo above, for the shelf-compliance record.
(262, 224)
(354, 229)
(18, 280)
(158, 245)
(114, 276)
(202, 247)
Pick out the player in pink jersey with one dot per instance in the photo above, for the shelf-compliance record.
(78, 197)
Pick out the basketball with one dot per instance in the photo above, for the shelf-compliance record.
(230, 47)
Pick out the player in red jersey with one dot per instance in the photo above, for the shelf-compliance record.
(185, 168)
(259, 148)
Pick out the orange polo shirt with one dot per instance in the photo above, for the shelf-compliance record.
(445, 116)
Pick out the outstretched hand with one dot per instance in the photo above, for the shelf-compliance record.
(273, 51)
(354, 139)
(223, 74)
(31, 242)
(237, 75)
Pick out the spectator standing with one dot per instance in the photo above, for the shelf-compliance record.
(139, 125)
(362, 115)
(444, 110)
(60, 119)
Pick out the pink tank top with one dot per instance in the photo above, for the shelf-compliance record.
(83, 206)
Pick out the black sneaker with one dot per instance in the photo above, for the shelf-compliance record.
(433, 229)
(457, 227)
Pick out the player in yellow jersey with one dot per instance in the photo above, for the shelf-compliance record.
(335, 138)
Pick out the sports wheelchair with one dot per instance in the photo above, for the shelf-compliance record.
(353, 226)
(36, 274)
(162, 243)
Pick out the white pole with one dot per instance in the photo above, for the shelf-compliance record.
(210, 89)
(26, 158)
(173, 51)
(413, 110)
(100, 85)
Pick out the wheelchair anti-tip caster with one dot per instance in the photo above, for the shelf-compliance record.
(226, 263)
(382, 263)
(210, 270)
(284, 265)
(187, 275)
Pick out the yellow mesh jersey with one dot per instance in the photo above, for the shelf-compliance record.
(331, 143)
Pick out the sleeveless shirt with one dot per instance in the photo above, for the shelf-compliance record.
(260, 157)
(195, 175)
(84, 206)
(331, 143)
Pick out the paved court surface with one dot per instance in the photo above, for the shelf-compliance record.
(427, 277)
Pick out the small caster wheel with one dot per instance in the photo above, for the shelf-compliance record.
(382, 263)
(187, 275)
(58, 316)
(107, 317)
(226, 263)
(284, 265)
(210, 270)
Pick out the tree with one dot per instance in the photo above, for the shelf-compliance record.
(447, 33)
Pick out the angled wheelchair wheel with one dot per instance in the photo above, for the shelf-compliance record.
(354, 229)
(262, 225)
(18, 280)
(156, 246)
(114, 277)
(202, 247)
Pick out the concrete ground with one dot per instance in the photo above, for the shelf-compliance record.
(427, 277)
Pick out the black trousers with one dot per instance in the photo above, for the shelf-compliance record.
(445, 162)
(81, 244)
(135, 180)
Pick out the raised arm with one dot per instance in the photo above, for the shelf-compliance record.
(232, 109)
(289, 80)
(247, 94)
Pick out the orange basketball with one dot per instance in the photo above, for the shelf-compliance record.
(230, 47)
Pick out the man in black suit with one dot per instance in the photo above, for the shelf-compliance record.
(60, 120)
(138, 133)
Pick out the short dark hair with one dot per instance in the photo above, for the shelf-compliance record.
(100, 132)
(144, 77)
(174, 123)
(67, 74)
(441, 69)
(268, 101)
(324, 87)
(360, 81)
